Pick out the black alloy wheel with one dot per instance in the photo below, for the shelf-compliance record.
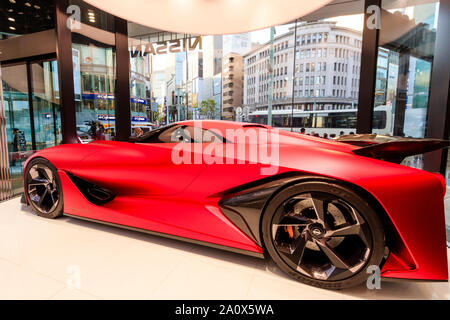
(43, 188)
(323, 234)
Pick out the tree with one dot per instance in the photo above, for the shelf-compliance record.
(208, 108)
(158, 114)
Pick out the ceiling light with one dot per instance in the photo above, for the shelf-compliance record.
(20, 12)
(37, 7)
(12, 1)
(12, 28)
(11, 19)
(10, 10)
(209, 17)
(28, 4)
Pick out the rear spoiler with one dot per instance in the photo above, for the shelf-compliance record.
(392, 149)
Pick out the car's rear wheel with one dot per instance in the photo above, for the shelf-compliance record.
(323, 234)
(43, 188)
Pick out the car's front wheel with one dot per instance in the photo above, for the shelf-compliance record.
(323, 234)
(43, 188)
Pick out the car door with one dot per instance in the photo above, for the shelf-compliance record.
(148, 167)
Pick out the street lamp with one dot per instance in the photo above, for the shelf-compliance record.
(167, 97)
(269, 103)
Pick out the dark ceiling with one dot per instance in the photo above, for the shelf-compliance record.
(18, 17)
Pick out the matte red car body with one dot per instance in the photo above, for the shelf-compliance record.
(153, 193)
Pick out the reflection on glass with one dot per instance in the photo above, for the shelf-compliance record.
(324, 81)
(17, 119)
(405, 57)
(46, 113)
(227, 77)
(94, 67)
(143, 109)
(172, 77)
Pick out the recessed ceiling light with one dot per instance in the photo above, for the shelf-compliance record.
(37, 7)
(12, 28)
(11, 19)
(12, 1)
(10, 10)
(20, 12)
(28, 4)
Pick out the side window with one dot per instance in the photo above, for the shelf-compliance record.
(180, 133)
(202, 135)
(161, 135)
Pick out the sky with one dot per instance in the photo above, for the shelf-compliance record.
(351, 21)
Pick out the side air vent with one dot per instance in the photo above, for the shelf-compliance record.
(93, 193)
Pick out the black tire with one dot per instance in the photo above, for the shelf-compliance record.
(42, 182)
(368, 245)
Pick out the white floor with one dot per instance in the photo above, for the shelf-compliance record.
(45, 259)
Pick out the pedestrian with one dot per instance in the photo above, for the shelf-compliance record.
(15, 145)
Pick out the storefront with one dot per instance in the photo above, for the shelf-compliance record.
(105, 77)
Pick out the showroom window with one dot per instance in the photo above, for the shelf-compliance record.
(405, 57)
(29, 93)
(94, 68)
(227, 77)
(168, 78)
(143, 109)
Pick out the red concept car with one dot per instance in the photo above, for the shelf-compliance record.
(324, 211)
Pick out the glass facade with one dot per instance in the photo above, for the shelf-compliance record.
(405, 58)
(167, 80)
(31, 113)
(94, 68)
(46, 107)
(17, 120)
(143, 108)
(315, 81)
(29, 110)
